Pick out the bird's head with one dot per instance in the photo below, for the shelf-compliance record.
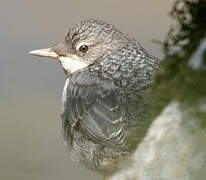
(85, 44)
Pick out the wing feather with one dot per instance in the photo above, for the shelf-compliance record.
(91, 106)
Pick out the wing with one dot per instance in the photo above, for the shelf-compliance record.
(91, 106)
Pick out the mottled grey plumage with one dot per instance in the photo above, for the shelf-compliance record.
(105, 100)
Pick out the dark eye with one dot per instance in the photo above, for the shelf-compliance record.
(83, 48)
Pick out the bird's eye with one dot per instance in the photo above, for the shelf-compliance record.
(83, 48)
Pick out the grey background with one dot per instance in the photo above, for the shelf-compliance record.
(31, 146)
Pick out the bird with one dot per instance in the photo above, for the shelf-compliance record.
(107, 75)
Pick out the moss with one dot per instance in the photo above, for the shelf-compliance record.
(183, 84)
(118, 164)
(135, 137)
(177, 81)
(204, 61)
(201, 119)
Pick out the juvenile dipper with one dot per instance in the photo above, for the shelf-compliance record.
(103, 97)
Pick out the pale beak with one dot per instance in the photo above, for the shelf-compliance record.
(44, 53)
(70, 63)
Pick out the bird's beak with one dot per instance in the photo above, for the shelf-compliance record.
(44, 53)
(70, 63)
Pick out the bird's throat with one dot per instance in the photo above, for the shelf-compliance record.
(72, 63)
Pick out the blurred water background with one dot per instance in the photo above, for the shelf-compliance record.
(31, 146)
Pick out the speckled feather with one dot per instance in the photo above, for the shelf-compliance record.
(103, 102)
